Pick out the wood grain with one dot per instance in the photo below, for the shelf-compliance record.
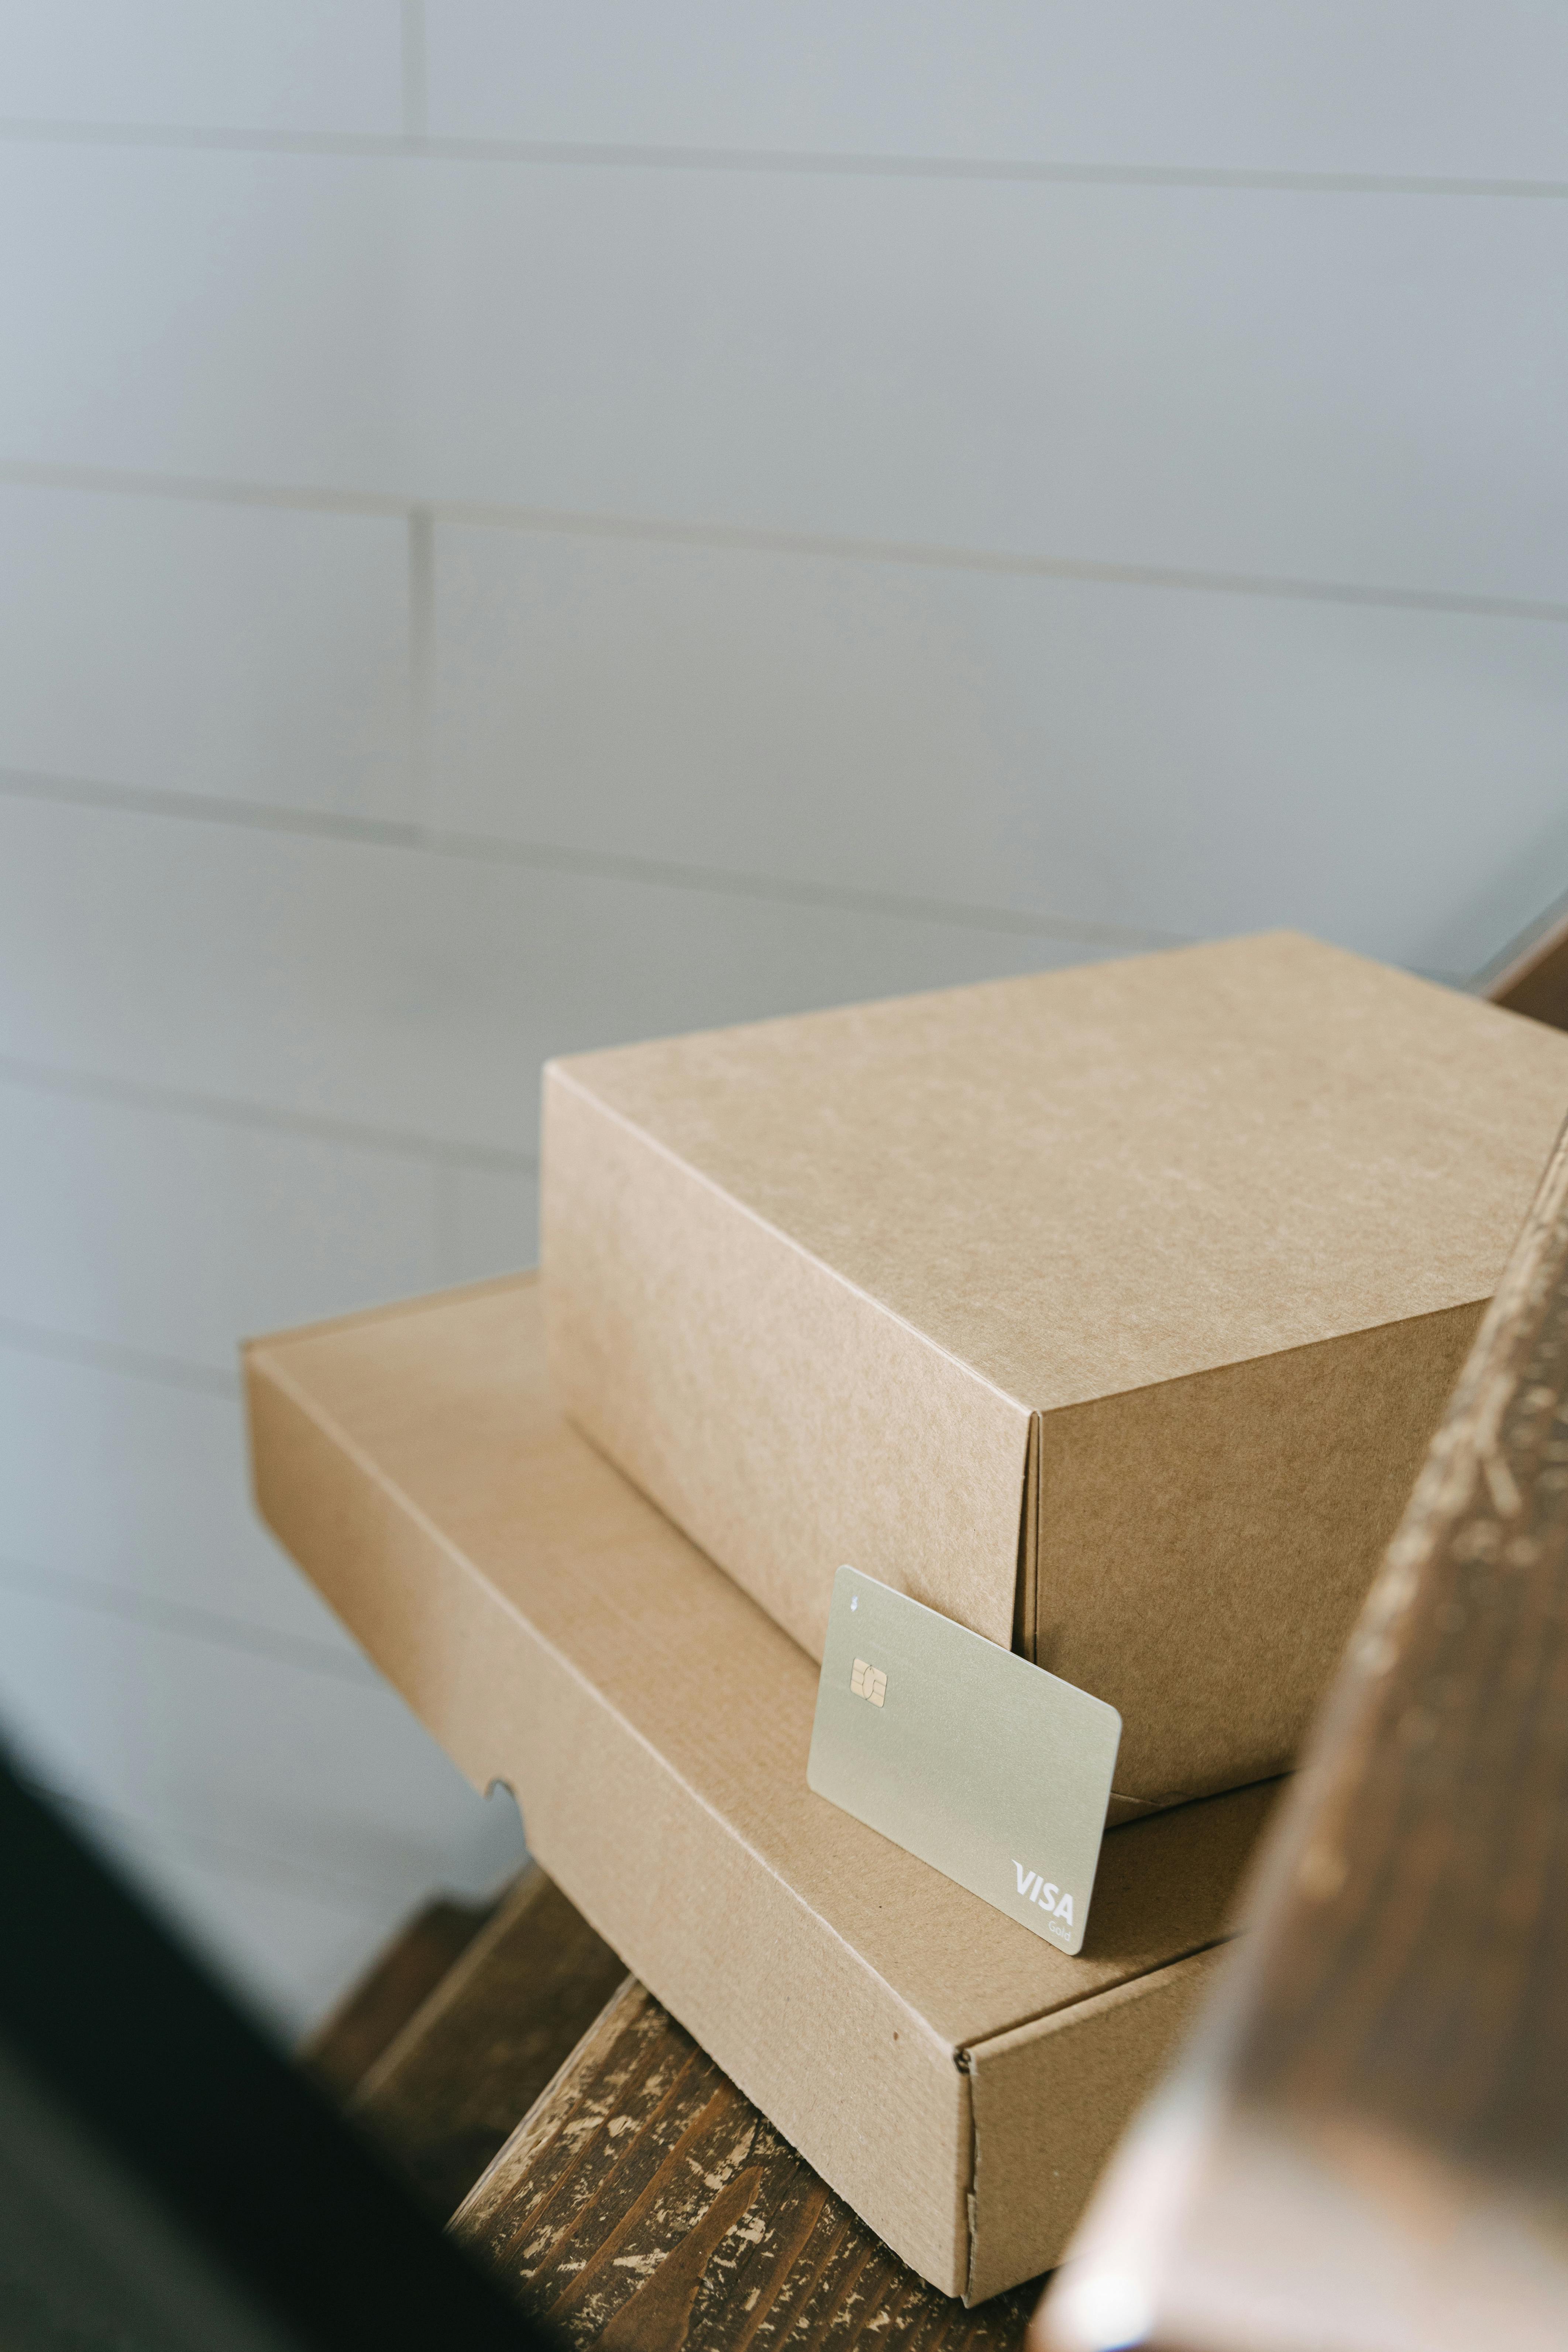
(1370, 2143)
(342, 2050)
(471, 2061)
(644, 2205)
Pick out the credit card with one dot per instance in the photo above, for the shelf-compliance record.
(993, 1771)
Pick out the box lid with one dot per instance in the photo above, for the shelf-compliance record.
(1091, 1181)
(556, 1632)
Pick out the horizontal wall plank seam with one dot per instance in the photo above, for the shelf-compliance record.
(615, 156)
(485, 849)
(653, 874)
(87, 1085)
(744, 539)
(213, 1627)
(250, 1863)
(108, 1356)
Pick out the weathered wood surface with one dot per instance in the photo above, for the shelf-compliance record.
(341, 2051)
(638, 2166)
(1368, 2146)
(644, 2206)
(448, 2089)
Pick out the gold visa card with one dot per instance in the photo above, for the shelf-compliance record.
(993, 1771)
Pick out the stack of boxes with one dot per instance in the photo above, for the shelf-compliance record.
(1109, 1313)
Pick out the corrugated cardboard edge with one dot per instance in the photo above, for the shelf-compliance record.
(1025, 1593)
(1041, 2096)
(1360, 1408)
(643, 1844)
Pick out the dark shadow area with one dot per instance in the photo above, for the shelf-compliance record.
(168, 2179)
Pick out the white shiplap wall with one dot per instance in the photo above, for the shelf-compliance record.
(522, 528)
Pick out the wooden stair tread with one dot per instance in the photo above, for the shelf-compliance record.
(645, 2205)
(451, 2086)
(342, 2050)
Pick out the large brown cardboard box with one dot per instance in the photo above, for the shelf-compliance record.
(1109, 1311)
(957, 2079)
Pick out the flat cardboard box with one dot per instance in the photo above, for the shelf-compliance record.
(1110, 1312)
(958, 2080)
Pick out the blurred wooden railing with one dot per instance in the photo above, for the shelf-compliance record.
(1366, 2148)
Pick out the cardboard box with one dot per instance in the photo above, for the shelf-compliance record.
(957, 2079)
(1110, 1312)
